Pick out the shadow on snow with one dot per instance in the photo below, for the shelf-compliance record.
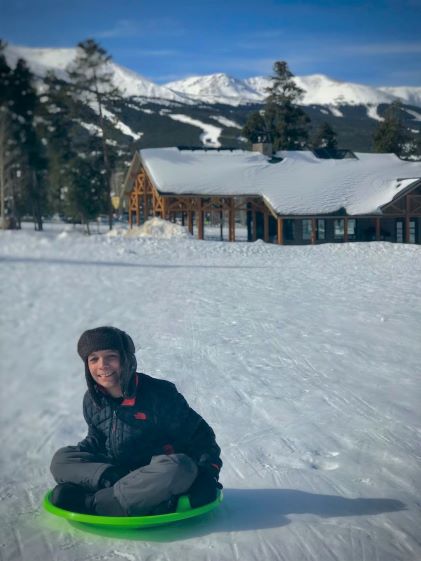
(54, 261)
(253, 509)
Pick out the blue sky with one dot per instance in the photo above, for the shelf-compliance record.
(375, 43)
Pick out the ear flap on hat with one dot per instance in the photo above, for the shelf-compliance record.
(128, 344)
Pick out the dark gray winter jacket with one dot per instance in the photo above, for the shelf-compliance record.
(156, 420)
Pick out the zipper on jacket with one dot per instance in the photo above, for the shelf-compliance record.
(112, 435)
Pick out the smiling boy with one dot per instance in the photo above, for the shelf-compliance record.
(145, 445)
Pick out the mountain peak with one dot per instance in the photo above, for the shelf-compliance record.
(219, 87)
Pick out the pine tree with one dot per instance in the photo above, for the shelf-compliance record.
(391, 135)
(325, 137)
(87, 196)
(285, 124)
(6, 152)
(255, 128)
(31, 167)
(59, 131)
(91, 77)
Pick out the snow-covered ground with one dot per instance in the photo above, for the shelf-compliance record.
(305, 360)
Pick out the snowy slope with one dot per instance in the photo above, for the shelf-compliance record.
(220, 87)
(407, 94)
(322, 90)
(305, 360)
(216, 88)
(131, 83)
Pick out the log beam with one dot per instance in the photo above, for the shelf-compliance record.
(378, 230)
(190, 221)
(266, 225)
(407, 221)
(313, 231)
(231, 221)
(200, 224)
(280, 223)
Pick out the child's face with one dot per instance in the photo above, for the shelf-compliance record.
(105, 369)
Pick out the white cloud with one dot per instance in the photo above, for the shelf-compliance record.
(388, 48)
(122, 28)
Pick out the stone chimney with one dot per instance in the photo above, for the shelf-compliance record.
(263, 147)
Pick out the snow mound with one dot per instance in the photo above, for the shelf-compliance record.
(154, 228)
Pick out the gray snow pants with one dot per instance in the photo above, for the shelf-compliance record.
(137, 493)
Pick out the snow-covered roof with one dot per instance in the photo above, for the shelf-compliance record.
(299, 184)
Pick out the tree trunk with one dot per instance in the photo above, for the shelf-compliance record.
(106, 161)
(36, 209)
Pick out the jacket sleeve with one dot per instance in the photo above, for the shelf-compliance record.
(94, 441)
(192, 435)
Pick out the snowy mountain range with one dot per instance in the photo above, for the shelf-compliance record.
(211, 110)
(220, 88)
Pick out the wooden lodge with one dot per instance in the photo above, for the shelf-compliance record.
(290, 198)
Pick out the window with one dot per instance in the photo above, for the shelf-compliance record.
(321, 229)
(289, 229)
(352, 229)
(306, 229)
(399, 231)
(338, 225)
(412, 231)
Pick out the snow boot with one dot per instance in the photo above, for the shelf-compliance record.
(73, 498)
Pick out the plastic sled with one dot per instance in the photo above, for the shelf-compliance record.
(184, 511)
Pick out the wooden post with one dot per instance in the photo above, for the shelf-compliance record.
(231, 220)
(254, 235)
(266, 225)
(145, 206)
(200, 220)
(313, 231)
(280, 231)
(164, 208)
(137, 211)
(190, 221)
(346, 229)
(407, 220)
(377, 229)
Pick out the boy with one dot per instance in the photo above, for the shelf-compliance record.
(145, 445)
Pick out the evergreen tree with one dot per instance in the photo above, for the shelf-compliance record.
(391, 134)
(285, 124)
(6, 152)
(31, 197)
(283, 88)
(325, 137)
(416, 145)
(59, 130)
(88, 195)
(255, 128)
(91, 77)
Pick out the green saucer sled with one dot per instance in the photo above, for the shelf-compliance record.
(184, 511)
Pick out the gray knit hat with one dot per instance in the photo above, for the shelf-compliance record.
(100, 339)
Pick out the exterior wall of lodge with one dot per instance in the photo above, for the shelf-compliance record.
(399, 222)
(392, 230)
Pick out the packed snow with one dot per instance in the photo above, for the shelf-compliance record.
(373, 113)
(300, 184)
(415, 114)
(226, 122)
(153, 228)
(305, 360)
(210, 133)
